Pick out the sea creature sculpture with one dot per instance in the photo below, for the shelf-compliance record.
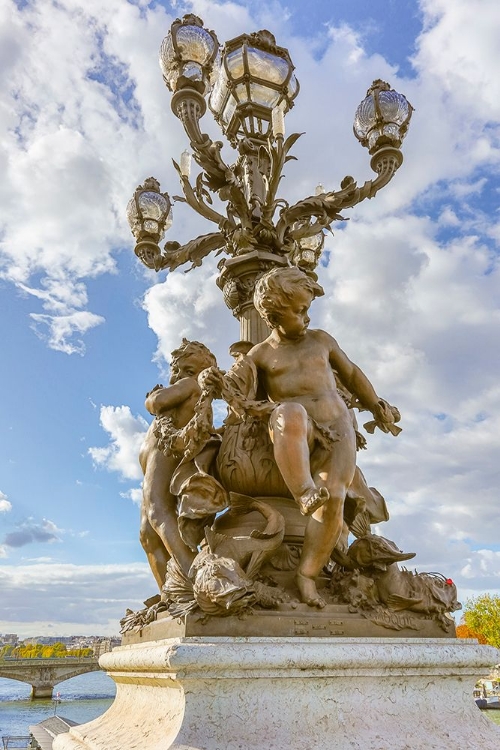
(252, 550)
(221, 580)
(431, 594)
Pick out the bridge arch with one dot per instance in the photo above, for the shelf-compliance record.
(44, 674)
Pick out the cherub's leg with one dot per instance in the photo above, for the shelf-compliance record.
(161, 508)
(154, 548)
(334, 469)
(290, 431)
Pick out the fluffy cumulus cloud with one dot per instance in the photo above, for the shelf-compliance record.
(126, 435)
(77, 98)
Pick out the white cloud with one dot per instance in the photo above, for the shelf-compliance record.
(126, 433)
(190, 305)
(5, 504)
(76, 100)
(459, 47)
(32, 531)
(87, 595)
(62, 329)
(134, 494)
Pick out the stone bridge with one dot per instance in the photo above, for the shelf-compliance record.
(43, 674)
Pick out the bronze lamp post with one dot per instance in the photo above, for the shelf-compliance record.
(250, 86)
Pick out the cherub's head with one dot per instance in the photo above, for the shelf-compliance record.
(189, 360)
(282, 298)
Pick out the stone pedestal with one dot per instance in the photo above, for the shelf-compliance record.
(292, 694)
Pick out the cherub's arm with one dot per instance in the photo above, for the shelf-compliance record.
(162, 399)
(354, 379)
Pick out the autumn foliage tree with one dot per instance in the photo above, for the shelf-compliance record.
(463, 631)
(482, 618)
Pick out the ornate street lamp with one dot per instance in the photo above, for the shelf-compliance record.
(187, 54)
(250, 86)
(255, 79)
(149, 214)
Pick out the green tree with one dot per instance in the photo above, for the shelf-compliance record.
(482, 615)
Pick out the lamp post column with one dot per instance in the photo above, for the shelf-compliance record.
(237, 282)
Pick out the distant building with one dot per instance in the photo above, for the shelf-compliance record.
(9, 639)
(47, 640)
(105, 645)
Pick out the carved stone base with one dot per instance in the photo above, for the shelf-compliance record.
(290, 621)
(293, 694)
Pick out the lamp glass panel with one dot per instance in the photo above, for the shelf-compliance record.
(151, 226)
(393, 106)
(375, 134)
(219, 92)
(264, 95)
(365, 117)
(132, 216)
(266, 66)
(308, 256)
(293, 87)
(193, 71)
(195, 44)
(235, 65)
(392, 130)
(229, 109)
(241, 93)
(167, 51)
(312, 243)
(153, 205)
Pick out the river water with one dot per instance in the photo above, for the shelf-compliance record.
(83, 698)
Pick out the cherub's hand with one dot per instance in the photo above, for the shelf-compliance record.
(211, 379)
(385, 418)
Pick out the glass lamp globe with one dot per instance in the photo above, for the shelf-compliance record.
(382, 118)
(187, 54)
(149, 215)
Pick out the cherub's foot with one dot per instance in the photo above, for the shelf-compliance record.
(308, 591)
(312, 500)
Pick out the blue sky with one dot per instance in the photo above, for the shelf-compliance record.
(412, 279)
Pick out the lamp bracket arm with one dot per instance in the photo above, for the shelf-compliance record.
(194, 198)
(385, 162)
(309, 229)
(194, 251)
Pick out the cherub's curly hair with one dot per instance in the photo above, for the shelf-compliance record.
(276, 288)
(193, 349)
